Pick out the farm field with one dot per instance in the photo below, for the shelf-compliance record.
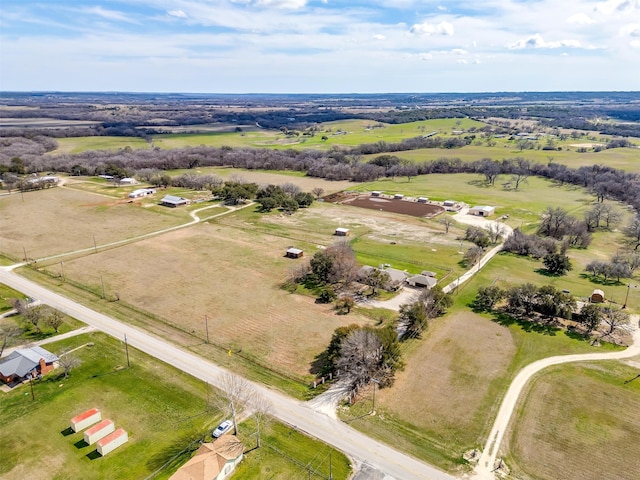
(570, 418)
(627, 159)
(445, 400)
(404, 242)
(162, 409)
(60, 220)
(524, 205)
(228, 274)
(82, 144)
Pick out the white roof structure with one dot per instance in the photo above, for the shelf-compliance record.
(483, 208)
(294, 251)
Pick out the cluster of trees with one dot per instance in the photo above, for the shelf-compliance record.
(360, 353)
(287, 197)
(549, 303)
(620, 265)
(35, 315)
(415, 316)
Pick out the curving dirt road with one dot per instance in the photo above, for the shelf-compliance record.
(484, 469)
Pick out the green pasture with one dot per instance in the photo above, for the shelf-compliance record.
(7, 294)
(627, 159)
(163, 410)
(523, 205)
(82, 144)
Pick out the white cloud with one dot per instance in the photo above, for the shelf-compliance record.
(635, 43)
(631, 30)
(379, 37)
(580, 19)
(442, 28)
(536, 41)
(462, 61)
(108, 14)
(177, 13)
(288, 4)
(459, 51)
(612, 6)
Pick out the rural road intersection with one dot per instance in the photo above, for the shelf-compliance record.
(358, 446)
(377, 461)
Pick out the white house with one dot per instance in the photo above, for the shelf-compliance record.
(142, 192)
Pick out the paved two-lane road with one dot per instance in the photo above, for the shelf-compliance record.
(355, 444)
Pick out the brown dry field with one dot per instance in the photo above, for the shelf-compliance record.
(578, 422)
(403, 207)
(228, 274)
(451, 372)
(60, 220)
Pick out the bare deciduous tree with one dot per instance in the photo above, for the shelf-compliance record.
(447, 221)
(54, 318)
(67, 361)
(360, 356)
(614, 320)
(317, 192)
(237, 392)
(7, 335)
(262, 410)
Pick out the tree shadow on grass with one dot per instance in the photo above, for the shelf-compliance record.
(546, 273)
(600, 281)
(176, 453)
(506, 320)
(576, 335)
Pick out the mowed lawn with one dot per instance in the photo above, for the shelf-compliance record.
(577, 422)
(162, 409)
(157, 405)
(60, 219)
(232, 275)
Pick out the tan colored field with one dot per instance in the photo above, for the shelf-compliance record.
(579, 422)
(231, 276)
(60, 220)
(451, 374)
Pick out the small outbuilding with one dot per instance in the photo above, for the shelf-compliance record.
(398, 196)
(376, 193)
(294, 253)
(173, 201)
(482, 211)
(85, 419)
(449, 203)
(423, 199)
(142, 192)
(342, 232)
(597, 296)
(112, 441)
(128, 181)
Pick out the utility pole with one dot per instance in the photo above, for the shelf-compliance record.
(25, 254)
(330, 469)
(126, 348)
(102, 282)
(206, 326)
(373, 407)
(62, 268)
(95, 245)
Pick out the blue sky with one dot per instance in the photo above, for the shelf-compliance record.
(319, 46)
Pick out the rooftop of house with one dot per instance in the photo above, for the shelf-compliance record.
(210, 459)
(22, 361)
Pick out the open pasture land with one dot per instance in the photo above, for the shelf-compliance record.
(524, 205)
(627, 159)
(83, 144)
(270, 177)
(404, 242)
(230, 275)
(445, 400)
(159, 406)
(577, 422)
(60, 220)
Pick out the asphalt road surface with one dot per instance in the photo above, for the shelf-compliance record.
(358, 446)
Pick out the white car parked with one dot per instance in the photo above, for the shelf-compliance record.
(223, 428)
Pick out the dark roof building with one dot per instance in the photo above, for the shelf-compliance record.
(173, 201)
(24, 362)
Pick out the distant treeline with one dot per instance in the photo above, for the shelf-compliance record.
(334, 164)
